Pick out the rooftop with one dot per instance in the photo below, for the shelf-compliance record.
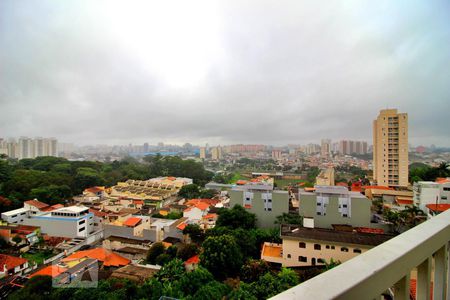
(353, 237)
(439, 207)
(108, 258)
(272, 250)
(132, 222)
(11, 261)
(38, 204)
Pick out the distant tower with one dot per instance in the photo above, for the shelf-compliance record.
(390, 148)
(203, 152)
(325, 148)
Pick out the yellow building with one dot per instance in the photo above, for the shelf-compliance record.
(325, 177)
(202, 152)
(390, 148)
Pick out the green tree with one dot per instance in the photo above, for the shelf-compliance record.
(236, 217)
(221, 256)
(253, 269)
(289, 218)
(87, 177)
(195, 233)
(191, 282)
(163, 259)
(186, 251)
(155, 250)
(189, 191)
(171, 271)
(212, 291)
(38, 287)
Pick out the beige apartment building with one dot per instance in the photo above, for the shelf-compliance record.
(390, 148)
(304, 246)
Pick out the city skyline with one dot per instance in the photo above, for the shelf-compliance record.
(222, 73)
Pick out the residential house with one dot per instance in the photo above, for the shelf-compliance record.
(12, 265)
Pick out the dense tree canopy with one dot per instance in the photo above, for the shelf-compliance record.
(236, 217)
(221, 256)
(54, 179)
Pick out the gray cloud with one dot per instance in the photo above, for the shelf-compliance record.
(222, 72)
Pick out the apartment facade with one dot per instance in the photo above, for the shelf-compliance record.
(71, 222)
(429, 192)
(302, 247)
(261, 200)
(390, 148)
(329, 205)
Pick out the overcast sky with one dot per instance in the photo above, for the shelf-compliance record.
(272, 72)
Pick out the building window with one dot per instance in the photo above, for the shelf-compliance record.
(81, 229)
(344, 249)
(327, 246)
(301, 245)
(317, 247)
(302, 259)
(356, 250)
(288, 256)
(82, 222)
(318, 213)
(345, 215)
(344, 205)
(447, 189)
(269, 209)
(332, 247)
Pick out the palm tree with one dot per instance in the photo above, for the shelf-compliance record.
(411, 215)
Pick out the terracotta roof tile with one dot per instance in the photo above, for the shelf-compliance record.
(108, 258)
(52, 270)
(193, 260)
(132, 222)
(439, 207)
(37, 204)
(11, 261)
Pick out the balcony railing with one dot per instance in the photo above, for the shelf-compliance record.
(387, 268)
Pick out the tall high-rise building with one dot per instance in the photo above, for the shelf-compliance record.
(202, 152)
(26, 148)
(325, 148)
(390, 148)
(216, 153)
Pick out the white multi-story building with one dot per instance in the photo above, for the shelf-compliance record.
(429, 192)
(71, 222)
(29, 148)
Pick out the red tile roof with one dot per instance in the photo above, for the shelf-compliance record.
(108, 258)
(98, 213)
(404, 201)
(439, 207)
(11, 261)
(138, 202)
(52, 270)
(193, 260)
(370, 230)
(182, 226)
(442, 180)
(132, 222)
(94, 189)
(210, 216)
(38, 204)
(377, 187)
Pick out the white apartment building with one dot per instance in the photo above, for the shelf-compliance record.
(71, 222)
(29, 148)
(429, 192)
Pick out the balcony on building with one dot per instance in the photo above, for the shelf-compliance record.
(416, 261)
